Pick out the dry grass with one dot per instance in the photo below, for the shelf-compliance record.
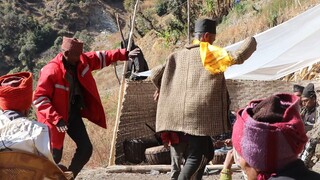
(237, 28)
(147, 4)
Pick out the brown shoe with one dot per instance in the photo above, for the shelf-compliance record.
(62, 167)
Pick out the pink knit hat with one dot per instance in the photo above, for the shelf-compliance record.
(268, 134)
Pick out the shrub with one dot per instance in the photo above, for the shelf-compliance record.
(85, 37)
(161, 8)
(129, 5)
(173, 32)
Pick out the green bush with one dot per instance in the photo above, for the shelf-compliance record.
(274, 10)
(129, 5)
(240, 8)
(22, 37)
(173, 32)
(208, 8)
(161, 8)
(86, 38)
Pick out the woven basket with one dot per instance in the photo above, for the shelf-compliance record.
(20, 165)
(158, 155)
(134, 149)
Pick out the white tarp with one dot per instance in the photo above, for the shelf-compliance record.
(282, 50)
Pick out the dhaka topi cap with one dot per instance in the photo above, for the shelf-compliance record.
(72, 44)
(16, 91)
(308, 91)
(205, 25)
(298, 88)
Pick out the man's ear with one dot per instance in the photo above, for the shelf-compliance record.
(206, 36)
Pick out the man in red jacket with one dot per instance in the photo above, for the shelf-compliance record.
(66, 92)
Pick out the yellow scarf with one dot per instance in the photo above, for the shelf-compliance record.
(214, 59)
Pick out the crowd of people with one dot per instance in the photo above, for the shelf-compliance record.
(272, 138)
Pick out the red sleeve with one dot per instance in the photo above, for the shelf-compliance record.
(165, 137)
(42, 96)
(101, 59)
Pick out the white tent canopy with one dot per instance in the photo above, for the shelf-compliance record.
(282, 50)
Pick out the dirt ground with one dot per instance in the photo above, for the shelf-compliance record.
(101, 174)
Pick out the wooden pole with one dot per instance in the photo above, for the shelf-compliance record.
(160, 168)
(124, 44)
(188, 21)
(119, 27)
(121, 92)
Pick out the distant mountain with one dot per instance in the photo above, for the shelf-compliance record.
(30, 27)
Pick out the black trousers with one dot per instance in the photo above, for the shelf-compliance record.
(199, 152)
(78, 133)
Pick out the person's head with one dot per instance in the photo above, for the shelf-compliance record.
(297, 90)
(205, 30)
(16, 92)
(309, 97)
(268, 135)
(72, 49)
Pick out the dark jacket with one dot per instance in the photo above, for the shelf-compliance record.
(296, 171)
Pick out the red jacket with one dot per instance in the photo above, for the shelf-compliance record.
(51, 96)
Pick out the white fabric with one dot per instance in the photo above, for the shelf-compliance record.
(25, 135)
(282, 50)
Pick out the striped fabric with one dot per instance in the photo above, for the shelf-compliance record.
(102, 58)
(40, 101)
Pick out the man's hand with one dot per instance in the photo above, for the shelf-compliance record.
(156, 95)
(61, 126)
(228, 142)
(134, 53)
(166, 145)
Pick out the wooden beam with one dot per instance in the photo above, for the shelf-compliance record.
(160, 168)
